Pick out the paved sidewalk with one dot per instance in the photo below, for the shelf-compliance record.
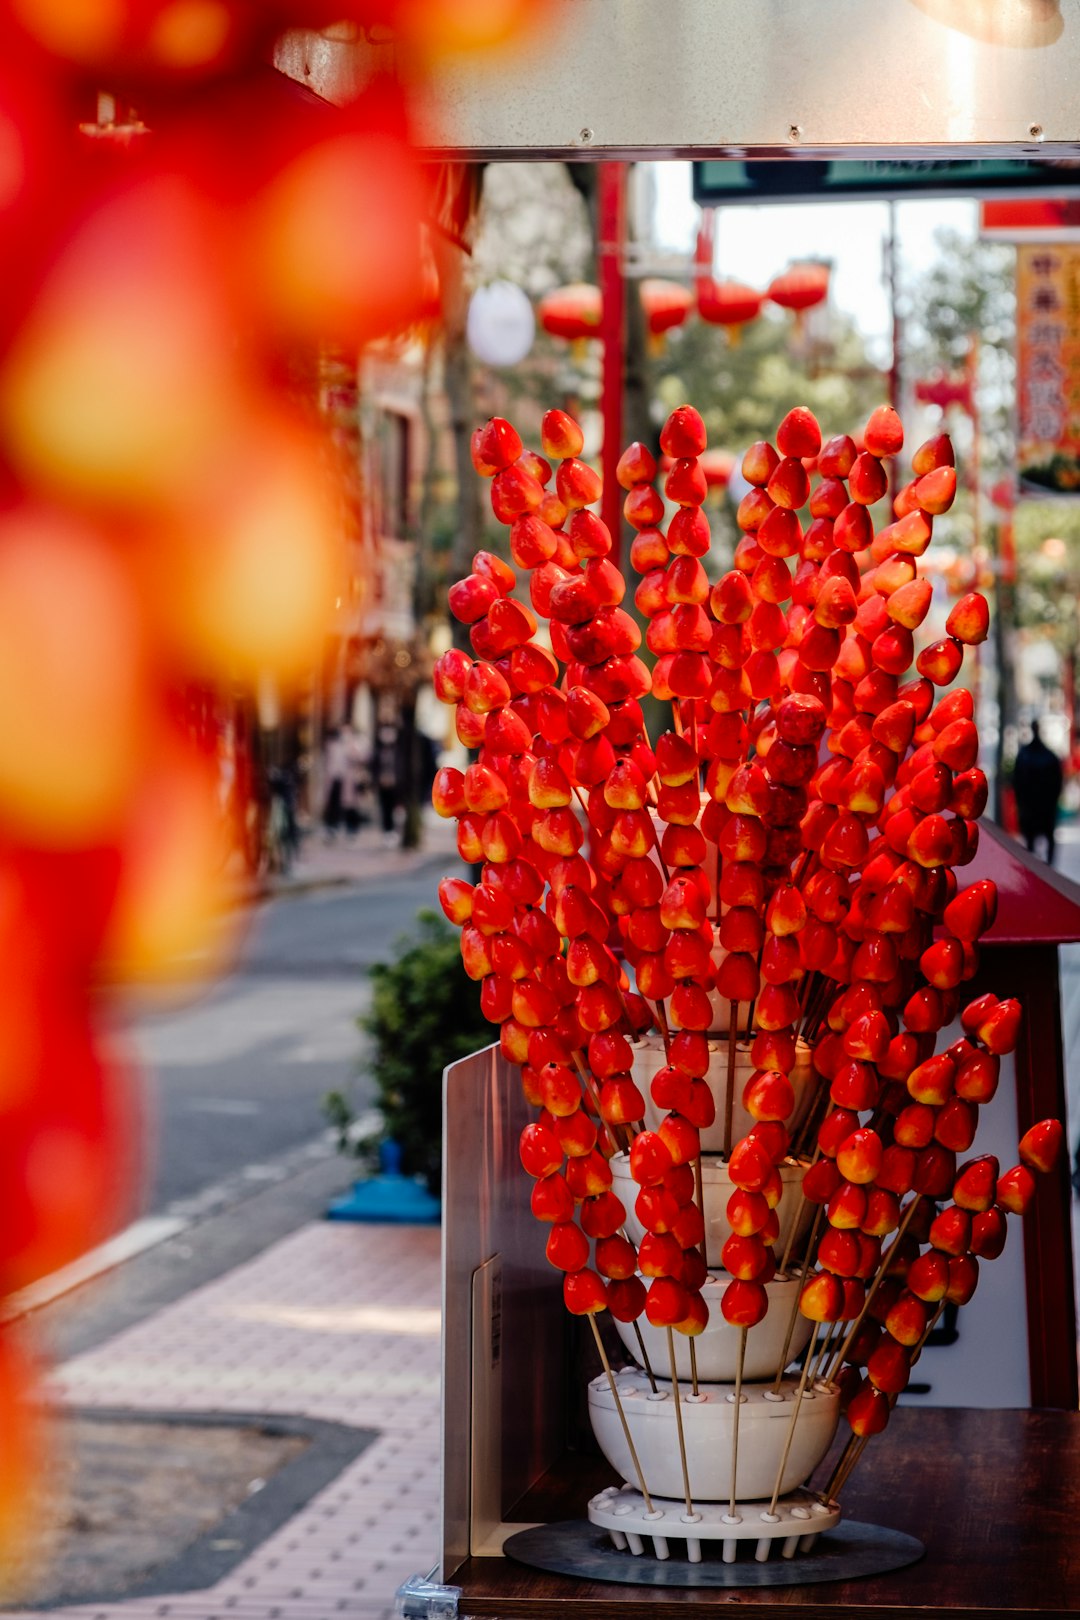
(357, 858)
(335, 1322)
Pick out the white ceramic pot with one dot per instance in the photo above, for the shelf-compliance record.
(717, 1188)
(717, 1348)
(764, 1422)
(649, 1058)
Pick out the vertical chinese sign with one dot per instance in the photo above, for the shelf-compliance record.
(1048, 368)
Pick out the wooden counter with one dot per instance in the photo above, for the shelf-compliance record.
(994, 1495)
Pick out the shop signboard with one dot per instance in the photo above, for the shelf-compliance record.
(1048, 368)
(1031, 219)
(892, 179)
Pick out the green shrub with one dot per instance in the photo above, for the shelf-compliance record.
(425, 1013)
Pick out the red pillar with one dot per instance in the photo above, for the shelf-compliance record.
(612, 230)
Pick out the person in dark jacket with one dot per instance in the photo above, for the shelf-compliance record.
(1037, 785)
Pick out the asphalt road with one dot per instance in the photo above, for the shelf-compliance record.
(235, 1078)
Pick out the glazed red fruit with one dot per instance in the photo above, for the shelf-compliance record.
(567, 1246)
(837, 457)
(667, 1302)
(969, 620)
(859, 1156)
(625, 1298)
(650, 1159)
(552, 1199)
(743, 1304)
(540, 1150)
(936, 452)
(683, 434)
(821, 1298)
(868, 1411)
(748, 1167)
(889, 1367)
(999, 1030)
(744, 1257)
(867, 480)
(936, 491)
(799, 433)
(975, 1187)
(1040, 1147)
(988, 1233)
(584, 1293)
(758, 463)
(951, 1230)
(494, 446)
(560, 435)
(883, 434)
(963, 1279)
(1016, 1190)
(637, 465)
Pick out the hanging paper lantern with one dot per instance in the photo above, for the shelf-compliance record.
(666, 304)
(801, 287)
(729, 304)
(501, 324)
(571, 312)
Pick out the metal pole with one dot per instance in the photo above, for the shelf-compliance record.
(612, 222)
(891, 252)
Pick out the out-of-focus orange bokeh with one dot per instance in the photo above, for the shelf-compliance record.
(182, 229)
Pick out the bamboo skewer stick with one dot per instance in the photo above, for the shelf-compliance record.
(622, 1415)
(795, 1303)
(828, 1344)
(699, 1192)
(679, 1426)
(871, 1292)
(693, 1366)
(855, 1447)
(809, 1127)
(619, 1141)
(829, 1492)
(665, 1032)
(794, 1226)
(729, 1100)
(733, 1495)
(794, 1417)
(645, 1362)
(850, 1462)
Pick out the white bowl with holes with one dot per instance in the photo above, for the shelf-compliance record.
(717, 1348)
(717, 1187)
(649, 1057)
(707, 1421)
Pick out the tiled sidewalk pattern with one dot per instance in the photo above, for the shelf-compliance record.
(334, 1322)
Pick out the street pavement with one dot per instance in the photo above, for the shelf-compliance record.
(237, 1076)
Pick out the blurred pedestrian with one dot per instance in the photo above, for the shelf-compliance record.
(356, 790)
(1037, 784)
(386, 766)
(335, 766)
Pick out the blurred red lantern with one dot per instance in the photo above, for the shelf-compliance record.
(801, 287)
(571, 312)
(944, 391)
(666, 304)
(718, 466)
(729, 304)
